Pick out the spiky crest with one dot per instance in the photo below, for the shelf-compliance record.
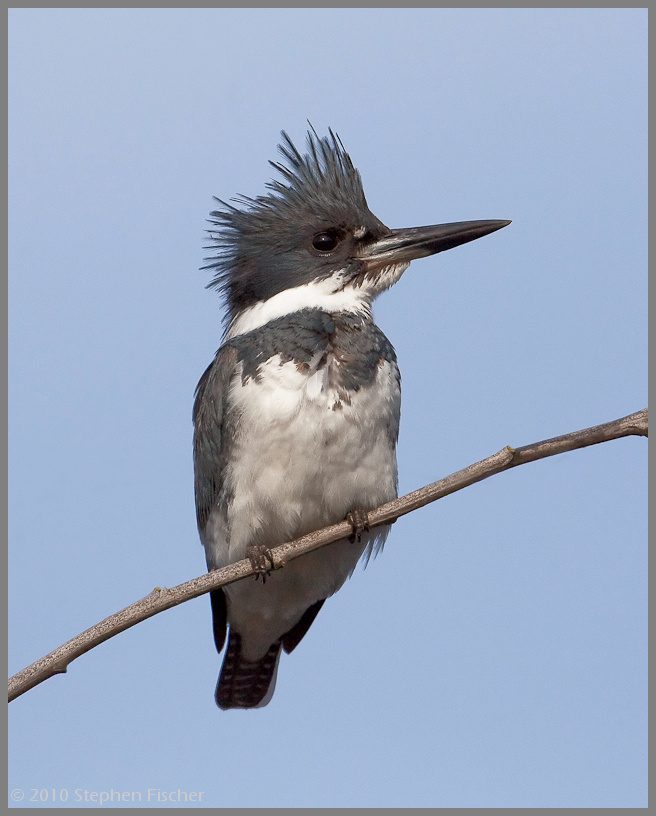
(319, 190)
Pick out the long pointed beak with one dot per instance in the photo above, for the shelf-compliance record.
(405, 245)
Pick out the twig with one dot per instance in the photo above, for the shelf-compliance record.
(161, 598)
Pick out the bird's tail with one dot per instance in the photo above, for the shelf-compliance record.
(244, 683)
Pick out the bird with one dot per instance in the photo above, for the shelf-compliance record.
(296, 420)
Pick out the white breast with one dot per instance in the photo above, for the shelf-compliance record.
(306, 453)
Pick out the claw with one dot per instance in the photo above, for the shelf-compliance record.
(359, 521)
(261, 560)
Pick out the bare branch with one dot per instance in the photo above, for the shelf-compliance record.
(161, 598)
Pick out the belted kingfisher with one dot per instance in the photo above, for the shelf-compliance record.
(296, 419)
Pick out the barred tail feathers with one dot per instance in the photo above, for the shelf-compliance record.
(244, 683)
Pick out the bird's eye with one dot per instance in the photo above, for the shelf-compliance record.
(325, 242)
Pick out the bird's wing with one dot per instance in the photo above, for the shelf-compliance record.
(211, 441)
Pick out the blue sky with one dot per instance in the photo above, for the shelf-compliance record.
(495, 654)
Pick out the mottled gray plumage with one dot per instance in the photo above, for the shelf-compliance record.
(299, 338)
(296, 419)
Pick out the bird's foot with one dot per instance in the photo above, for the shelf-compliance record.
(359, 521)
(261, 559)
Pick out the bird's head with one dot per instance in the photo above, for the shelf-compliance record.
(313, 241)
